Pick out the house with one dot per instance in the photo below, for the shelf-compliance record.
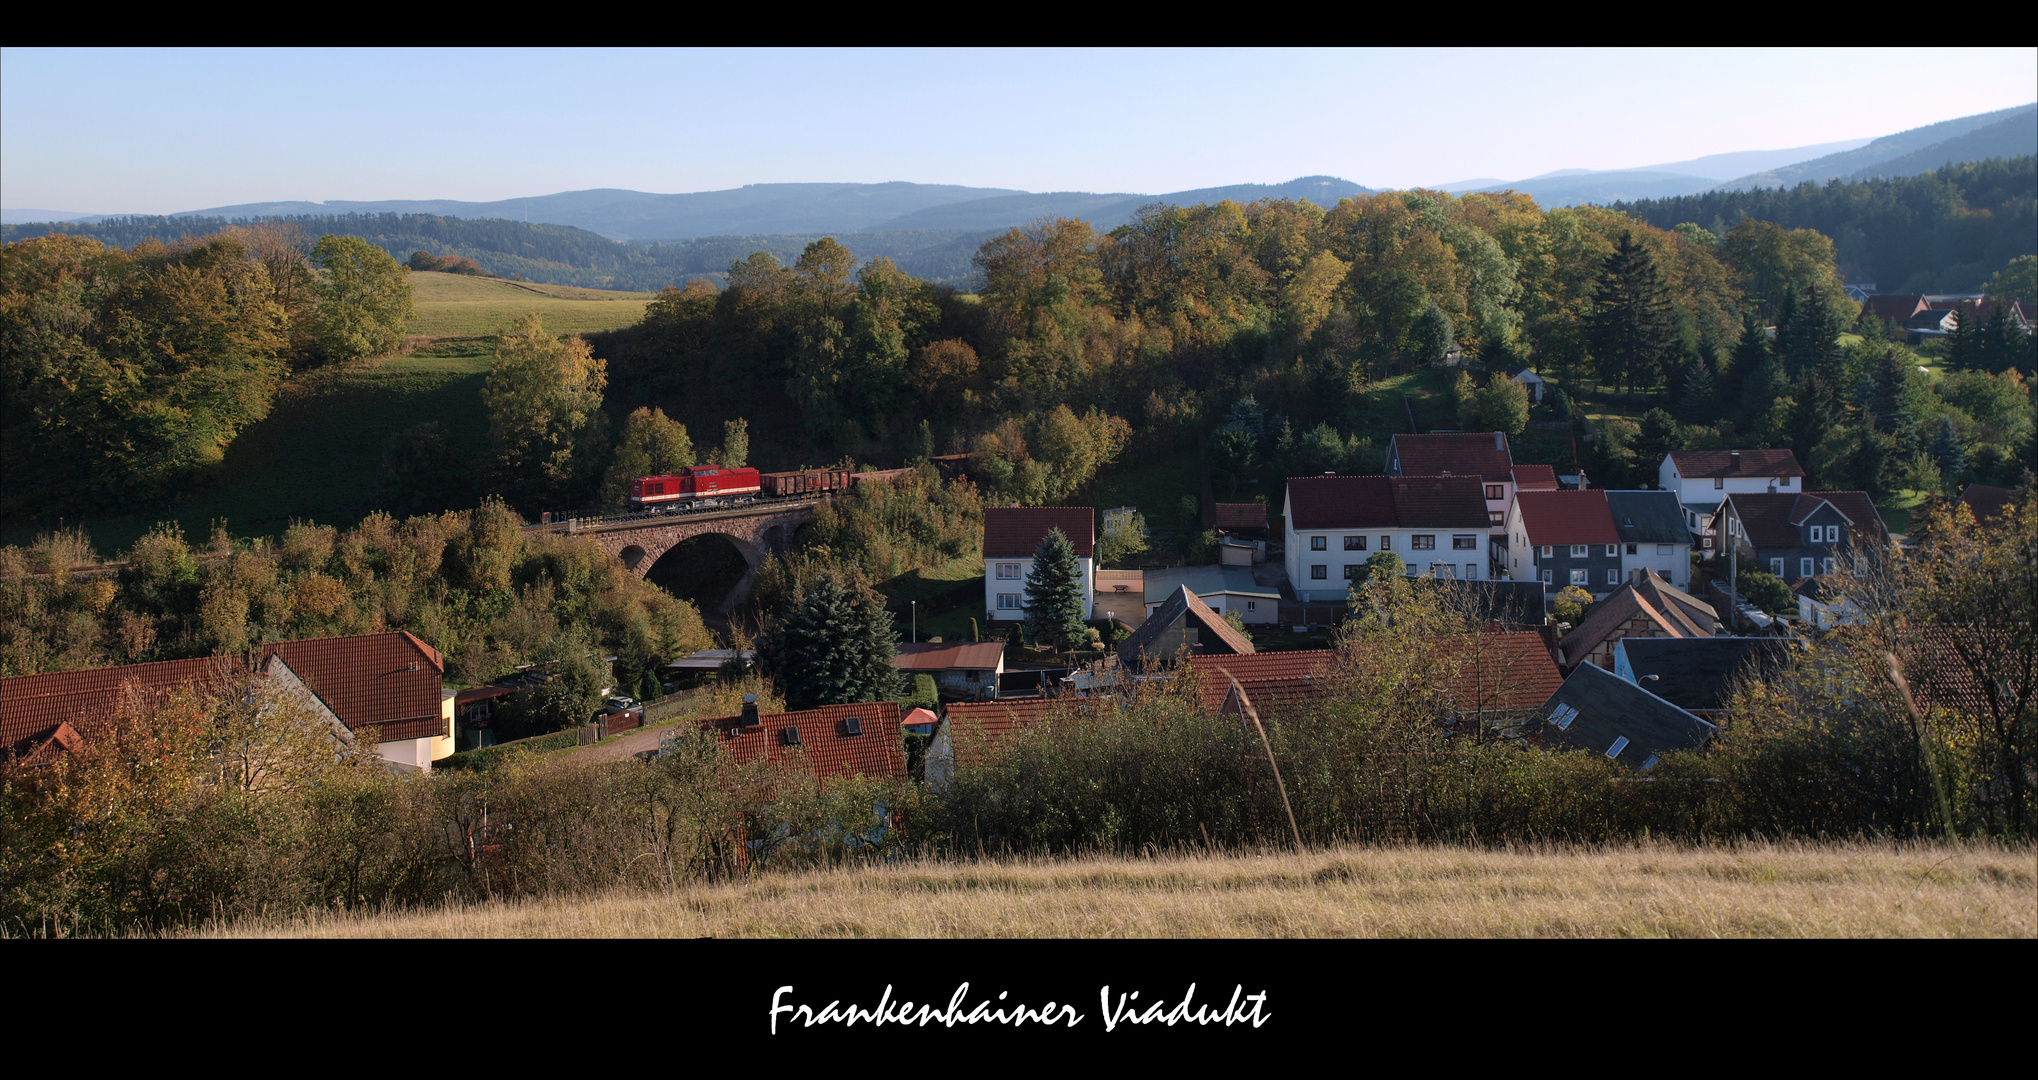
(1644, 606)
(1495, 677)
(1534, 477)
(1988, 503)
(1121, 595)
(1246, 521)
(1653, 534)
(1530, 381)
(1436, 524)
(1696, 674)
(1602, 713)
(974, 736)
(1802, 535)
(1011, 533)
(1564, 538)
(1480, 454)
(1181, 623)
(474, 714)
(966, 670)
(1223, 588)
(1822, 607)
(1703, 479)
(384, 687)
(838, 740)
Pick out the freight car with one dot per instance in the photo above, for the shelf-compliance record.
(831, 481)
(698, 485)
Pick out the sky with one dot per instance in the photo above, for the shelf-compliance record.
(161, 130)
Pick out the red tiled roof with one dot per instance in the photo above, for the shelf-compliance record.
(32, 706)
(387, 681)
(1483, 454)
(1497, 671)
(1859, 509)
(1340, 502)
(932, 656)
(1439, 502)
(1566, 517)
(1986, 502)
(980, 731)
(1534, 477)
(1894, 308)
(1240, 515)
(1274, 699)
(1013, 532)
(1213, 684)
(1729, 464)
(1674, 612)
(823, 739)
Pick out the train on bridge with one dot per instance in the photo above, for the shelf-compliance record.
(711, 486)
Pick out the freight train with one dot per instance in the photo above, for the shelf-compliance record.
(703, 486)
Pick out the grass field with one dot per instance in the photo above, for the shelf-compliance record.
(457, 305)
(1755, 890)
(317, 454)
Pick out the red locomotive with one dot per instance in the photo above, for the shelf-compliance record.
(697, 485)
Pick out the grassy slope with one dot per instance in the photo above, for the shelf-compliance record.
(1651, 890)
(463, 306)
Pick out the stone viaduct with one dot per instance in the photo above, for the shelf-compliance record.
(753, 531)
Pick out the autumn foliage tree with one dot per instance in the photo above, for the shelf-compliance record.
(545, 424)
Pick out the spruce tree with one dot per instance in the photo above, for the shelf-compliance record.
(1632, 326)
(834, 647)
(1948, 451)
(1964, 348)
(1813, 340)
(1054, 594)
(1695, 406)
(1887, 402)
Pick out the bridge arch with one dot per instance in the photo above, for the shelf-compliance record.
(638, 545)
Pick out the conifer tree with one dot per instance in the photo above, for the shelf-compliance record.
(1632, 327)
(834, 647)
(1887, 404)
(1054, 594)
(1964, 348)
(1695, 406)
(1812, 342)
(1948, 450)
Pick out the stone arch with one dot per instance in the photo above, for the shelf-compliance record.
(638, 545)
(633, 556)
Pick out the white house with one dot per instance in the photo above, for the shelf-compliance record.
(1436, 524)
(1703, 479)
(1530, 381)
(1481, 454)
(1653, 534)
(1011, 533)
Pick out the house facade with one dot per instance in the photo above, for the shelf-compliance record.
(1223, 588)
(1803, 535)
(1702, 479)
(966, 670)
(1436, 524)
(1564, 538)
(1653, 534)
(1011, 533)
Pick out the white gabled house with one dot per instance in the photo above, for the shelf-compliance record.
(1011, 533)
(1702, 480)
(1436, 524)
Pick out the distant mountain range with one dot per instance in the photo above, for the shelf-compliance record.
(899, 207)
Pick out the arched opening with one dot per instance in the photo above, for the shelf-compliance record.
(632, 556)
(773, 538)
(704, 569)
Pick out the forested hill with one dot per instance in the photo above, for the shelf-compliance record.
(557, 254)
(1942, 231)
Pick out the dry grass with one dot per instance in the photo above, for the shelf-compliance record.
(1655, 890)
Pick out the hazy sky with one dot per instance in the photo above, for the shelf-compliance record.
(155, 131)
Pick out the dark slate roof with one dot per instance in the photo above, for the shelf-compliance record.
(1730, 464)
(1987, 502)
(1439, 502)
(1340, 502)
(1013, 532)
(1566, 517)
(1773, 521)
(1483, 454)
(1648, 517)
(1610, 708)
(1217, 636)
(1698, 673)
(1240, 515)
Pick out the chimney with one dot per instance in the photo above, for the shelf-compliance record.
(750, 719)
(1733, 461)
(1499, 441)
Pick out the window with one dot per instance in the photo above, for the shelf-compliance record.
(1252, 605)
(1447, 571)
(1008, 571)
(1546, 578)
(1495, 492)
(1386, 543)
(1562, 715)
(1464, 543)
(1612, 576)
(1578, 551)
(1612, 550)
(1619, 745)
(1718, 483)
(1827, 562)
(1776, 567)
(1355, 543)
(1668, 549)
(1471, 571)
(1784, 483)
(1008, 601)
(1351, 571)
(1578, 577)
(1546, 551)
(1319, 573)
(1422, 543)
(1319, 543)
(1631, 549)
(1804, 567)
(1496, 517)
(1818, 534)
